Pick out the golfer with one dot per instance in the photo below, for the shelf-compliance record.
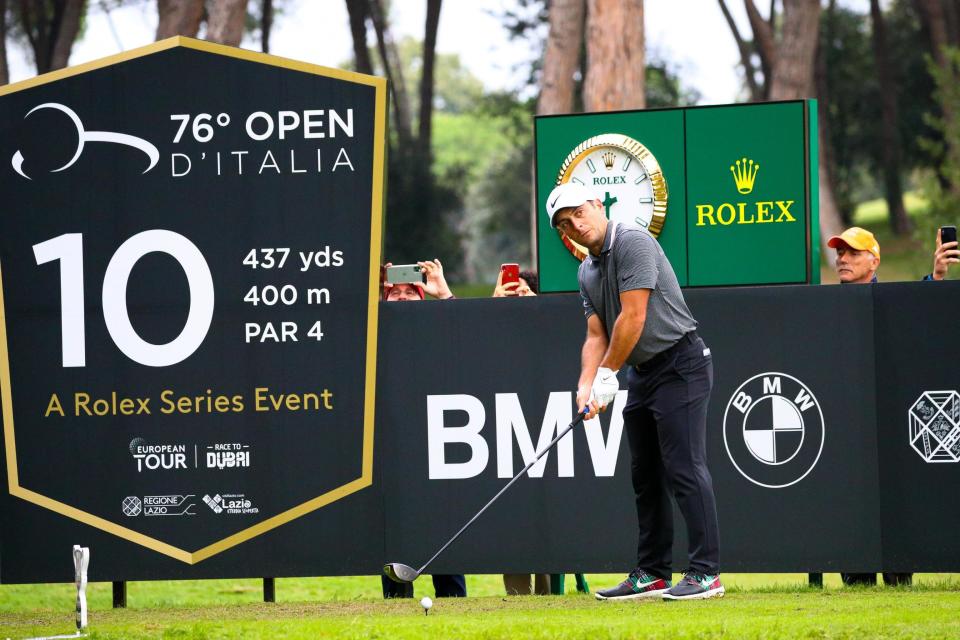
(637, 319)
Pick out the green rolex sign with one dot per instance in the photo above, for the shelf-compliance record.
(730, 191)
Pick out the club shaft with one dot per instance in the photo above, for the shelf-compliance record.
(537, 457)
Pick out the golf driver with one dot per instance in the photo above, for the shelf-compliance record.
(399, 572)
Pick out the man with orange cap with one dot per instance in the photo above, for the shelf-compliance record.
(858, 256)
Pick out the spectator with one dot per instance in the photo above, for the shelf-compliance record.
(435, 286)
(945, 255)
(529, 285)
(445, 586)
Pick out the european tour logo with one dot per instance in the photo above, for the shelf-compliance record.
(744, 172)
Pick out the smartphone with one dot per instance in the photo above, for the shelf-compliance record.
(948, 234)
(511, 273)
(405, 274)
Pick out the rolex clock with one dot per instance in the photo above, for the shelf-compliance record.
(624, 175)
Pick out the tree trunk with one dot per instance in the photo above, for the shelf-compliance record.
(266, 25)
(34, 27)
(749, 72)
(66, 29)
(934, 18)
(51, 31)
(890, 131)
(425, 122)
(562, 56)
(4, 71)
(830, 223)
(824, 122)
(358, 29)
(793, 79)
(393, 69)
(764, 42)
(178, 18)
(793, 69)
(226, 20)
(615, 56)
(950, 13)
(933, 15)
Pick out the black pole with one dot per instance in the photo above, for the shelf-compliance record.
(815, 580)
(269, 590)
(120, 594)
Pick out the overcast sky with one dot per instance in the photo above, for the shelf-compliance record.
(691, 34)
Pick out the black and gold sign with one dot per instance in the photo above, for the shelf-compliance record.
(627, 177)
(188, 304)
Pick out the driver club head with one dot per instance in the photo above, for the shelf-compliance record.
(399, 572)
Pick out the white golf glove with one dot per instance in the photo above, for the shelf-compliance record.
(605, 386)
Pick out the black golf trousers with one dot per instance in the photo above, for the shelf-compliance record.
(666, 421)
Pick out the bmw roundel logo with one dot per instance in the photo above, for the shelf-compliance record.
(773, 430)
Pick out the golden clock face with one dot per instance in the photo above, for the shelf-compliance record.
(624, 175)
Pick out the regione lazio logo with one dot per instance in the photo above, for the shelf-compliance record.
(935, 426)
(83, 137)
(773, 430)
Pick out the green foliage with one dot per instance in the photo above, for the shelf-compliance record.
(497, 216)
(915, 97)
(456, 89)
(852, 105)
(941, 187)
(664, 88)
(853, 102)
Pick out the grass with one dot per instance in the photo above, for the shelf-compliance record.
(757, 606)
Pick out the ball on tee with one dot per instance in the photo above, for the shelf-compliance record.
(426, 603)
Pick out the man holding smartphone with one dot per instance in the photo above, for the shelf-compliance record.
(947, 253)
(637, 319)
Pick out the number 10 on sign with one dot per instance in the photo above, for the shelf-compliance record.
(68, 249)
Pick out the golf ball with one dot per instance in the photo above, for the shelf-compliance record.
(426, 603)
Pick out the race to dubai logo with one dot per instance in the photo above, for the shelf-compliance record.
(773, 430)
(935, 426)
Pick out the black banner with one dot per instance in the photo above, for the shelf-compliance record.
(467, 388)
(918, 424)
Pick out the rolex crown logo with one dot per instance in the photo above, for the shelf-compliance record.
(608, 159)
(744, 174)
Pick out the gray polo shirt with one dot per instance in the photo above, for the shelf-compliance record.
(631, 259)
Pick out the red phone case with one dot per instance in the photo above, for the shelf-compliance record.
(511, 273)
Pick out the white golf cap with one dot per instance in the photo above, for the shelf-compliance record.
(568, 194)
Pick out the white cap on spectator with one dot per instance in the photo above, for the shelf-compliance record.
(568, 194)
